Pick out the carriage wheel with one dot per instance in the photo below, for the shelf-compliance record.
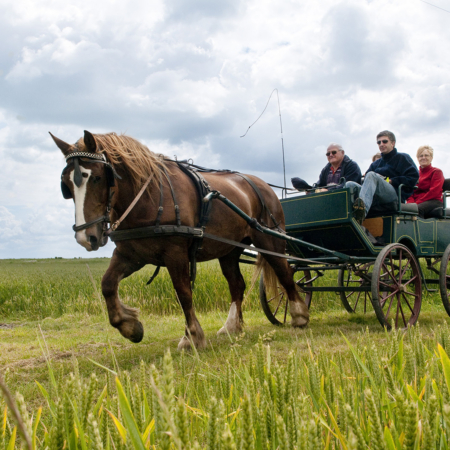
(354, 276)
(276, 307)
(444, 279)
(396, 287)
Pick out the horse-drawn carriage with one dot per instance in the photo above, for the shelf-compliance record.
(172, 214)
(386, 262)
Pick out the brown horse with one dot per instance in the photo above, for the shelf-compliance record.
(106, 176)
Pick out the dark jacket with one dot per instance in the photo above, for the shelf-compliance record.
(349, 170)
(400, 169)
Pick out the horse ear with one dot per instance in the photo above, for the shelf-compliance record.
(63, 146)
(89, 142)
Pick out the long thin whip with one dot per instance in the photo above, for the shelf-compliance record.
(281, 129)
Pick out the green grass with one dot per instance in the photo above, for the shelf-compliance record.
(36, 289)
(51, 288)
(301, 376)
(56, 325)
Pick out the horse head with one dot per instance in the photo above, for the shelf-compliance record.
(88, 179)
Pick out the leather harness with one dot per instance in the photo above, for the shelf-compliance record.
(157, 230)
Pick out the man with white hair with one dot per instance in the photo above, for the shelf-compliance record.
(339, 166)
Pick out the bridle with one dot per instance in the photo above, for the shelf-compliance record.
(111, 175)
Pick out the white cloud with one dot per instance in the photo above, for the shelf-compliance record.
(188, 78)
(9, 225)
(198, 153)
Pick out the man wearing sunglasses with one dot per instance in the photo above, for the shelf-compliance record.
(384, 176)
(339, 166)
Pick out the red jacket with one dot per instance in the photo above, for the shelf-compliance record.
(430, 185)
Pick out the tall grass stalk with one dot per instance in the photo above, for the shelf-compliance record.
(353, 399)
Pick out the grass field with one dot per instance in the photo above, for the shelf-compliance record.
(53, 325)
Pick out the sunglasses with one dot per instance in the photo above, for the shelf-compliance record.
(331, 153)
(384, 141)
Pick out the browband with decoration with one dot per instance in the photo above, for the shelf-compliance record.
(86, 155)
(99, 157)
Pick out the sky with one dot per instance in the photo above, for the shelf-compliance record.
(188, 77)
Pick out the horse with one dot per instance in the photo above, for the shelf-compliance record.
(103, 175)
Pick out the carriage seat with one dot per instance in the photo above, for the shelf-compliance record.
(409, 208)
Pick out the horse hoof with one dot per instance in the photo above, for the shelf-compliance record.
(186, 344)
(134, 331)
(300, 322)
(138, 333)
(227, 330)
(299, 314)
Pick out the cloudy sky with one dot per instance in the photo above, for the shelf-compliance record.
(187, 78)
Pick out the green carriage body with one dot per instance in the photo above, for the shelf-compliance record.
(326, 220)
(377, 263)
(385, 275)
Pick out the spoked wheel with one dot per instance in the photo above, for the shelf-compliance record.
(444, 279)
(396, 287)
(276, 307)
(356, 276)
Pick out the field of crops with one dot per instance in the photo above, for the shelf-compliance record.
(36, 289)
(44, 288)
(343, 383)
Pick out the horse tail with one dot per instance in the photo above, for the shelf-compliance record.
(270, 279)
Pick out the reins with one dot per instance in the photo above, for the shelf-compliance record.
(127, 211)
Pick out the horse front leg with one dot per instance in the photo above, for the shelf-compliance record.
(178, 267)
(122, 317)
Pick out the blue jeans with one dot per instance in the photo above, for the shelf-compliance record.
(375, 191)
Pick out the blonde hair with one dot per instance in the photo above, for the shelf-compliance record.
(376, 156)
(422, 148)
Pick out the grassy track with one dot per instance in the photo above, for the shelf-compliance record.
(49, 308)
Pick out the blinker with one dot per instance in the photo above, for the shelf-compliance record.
(65, 191)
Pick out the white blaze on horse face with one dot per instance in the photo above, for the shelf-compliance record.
(79, 196)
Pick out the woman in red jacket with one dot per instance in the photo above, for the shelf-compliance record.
(428, 195)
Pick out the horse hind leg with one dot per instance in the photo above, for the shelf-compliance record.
(230, 269)
(280, 267)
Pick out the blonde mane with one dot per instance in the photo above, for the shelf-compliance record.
(140, 162)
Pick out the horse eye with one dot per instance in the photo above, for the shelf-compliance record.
(85, 175)
(96, 179)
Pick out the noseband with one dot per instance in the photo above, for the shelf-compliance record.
(111, 175)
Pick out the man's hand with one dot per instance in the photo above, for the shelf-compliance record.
(320, 190)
